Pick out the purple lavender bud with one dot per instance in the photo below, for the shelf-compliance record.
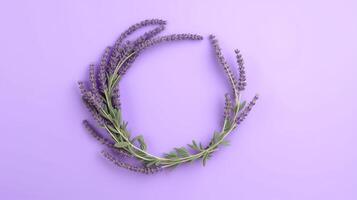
(102, 78)
(227, 106)
(82, 88)
(89, 96)
(116, 98)
(93, 82)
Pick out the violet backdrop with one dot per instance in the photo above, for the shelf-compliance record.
(299, 142)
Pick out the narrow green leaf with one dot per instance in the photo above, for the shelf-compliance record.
(151, 163)
(113, 113)
(236, 108)
(141, 141)
(143, 146)
(171, 155)
(204, 159)
(118, 116)
(182, 152)
(121, 144)
(225, 143)
(194, 146)
(112, 129)
(201, 147)
(124, 125)
(241, 105)
(126, 133)
(227, 125)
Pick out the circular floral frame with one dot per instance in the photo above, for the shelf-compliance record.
(101, 97)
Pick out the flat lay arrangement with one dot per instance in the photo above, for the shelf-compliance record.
(101, 96)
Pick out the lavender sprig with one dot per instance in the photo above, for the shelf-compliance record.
(144, 170)
(139, 47)
(242, 78)
(138, 26)
(104, 141)
(247, 109)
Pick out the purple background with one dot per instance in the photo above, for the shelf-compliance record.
(298, 143)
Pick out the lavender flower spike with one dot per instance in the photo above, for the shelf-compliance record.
(144, 170)
(101, 76)
(242, 78)
(247, 109)
(137, 26)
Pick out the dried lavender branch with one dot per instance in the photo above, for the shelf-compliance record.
(137, 26)
(103, 140)
(144, 170)
(139, 47)
(247, 109)
(89, 104)
(242, 77)
(232, 79)
(167, 38)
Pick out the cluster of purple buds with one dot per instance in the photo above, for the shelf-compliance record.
(125, 165)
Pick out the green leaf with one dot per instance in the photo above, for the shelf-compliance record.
(112, 129)
(124, 125)
(141, 141)
(121, 144)
(236, 108)
(241, 105)
(194, 146)
(225, 143)
(142, 154)
(143, 146)
(125, 133)
(171, 155)
(215, 137)
(151, 163)
(204, 159)
(227, 125)
(201, 147)
(116, 115)
(182, 152)
(116, 80)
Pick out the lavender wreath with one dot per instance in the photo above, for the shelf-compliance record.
(101, 97)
